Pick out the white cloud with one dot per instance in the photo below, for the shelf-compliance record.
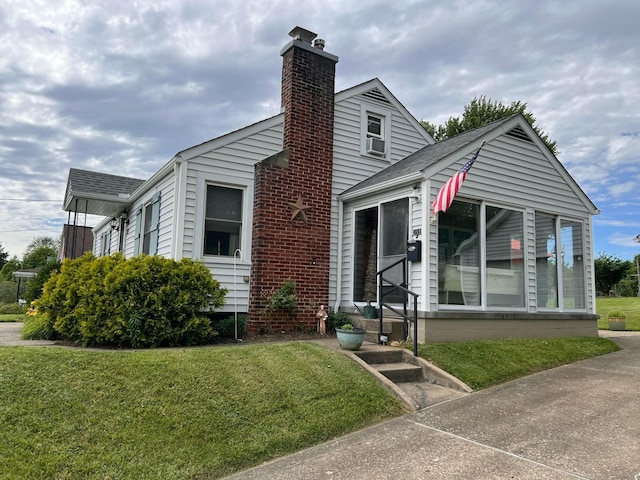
(125, 85)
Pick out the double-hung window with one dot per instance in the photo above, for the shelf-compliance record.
(148, 227)
(223, 220)
(375, 135)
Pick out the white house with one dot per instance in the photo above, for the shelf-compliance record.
(339, 186)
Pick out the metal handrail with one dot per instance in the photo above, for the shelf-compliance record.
(404, 314)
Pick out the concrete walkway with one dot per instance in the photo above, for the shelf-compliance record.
(10, 336)
(576, 421)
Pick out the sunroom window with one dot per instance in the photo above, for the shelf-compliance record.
(480, 256)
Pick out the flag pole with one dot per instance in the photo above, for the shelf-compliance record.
(449, 190)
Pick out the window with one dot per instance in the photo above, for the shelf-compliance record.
(105, 244)
(374, 132)
(148, 227)
(459, 254)
(504, 256)
(560, 271)
(146, 237)
(375, 126)
(546, 265)
(571, 256)
(223, 220)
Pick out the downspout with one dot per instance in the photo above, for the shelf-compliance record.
(178, 216)
(336, 306)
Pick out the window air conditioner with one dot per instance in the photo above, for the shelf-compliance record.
(375, 146)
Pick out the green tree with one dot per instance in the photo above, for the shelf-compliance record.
(12, 265)
(39, 252)
(481, 111)
(628, 286)
(3, 256)
(609, 271)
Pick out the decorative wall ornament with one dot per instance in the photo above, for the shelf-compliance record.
(299, 209)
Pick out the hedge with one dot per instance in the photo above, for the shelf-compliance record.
(145, 301)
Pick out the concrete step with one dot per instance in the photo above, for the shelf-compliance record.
(399, 372)
(391, 355)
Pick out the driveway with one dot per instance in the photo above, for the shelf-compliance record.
(576, 421)
(10, 336)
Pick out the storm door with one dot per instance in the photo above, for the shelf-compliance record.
(380, 239)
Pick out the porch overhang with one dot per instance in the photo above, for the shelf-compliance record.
(96, 204)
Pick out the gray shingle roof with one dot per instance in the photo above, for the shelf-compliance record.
(427, 156)
(85, 181)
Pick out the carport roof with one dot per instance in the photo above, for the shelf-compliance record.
(98, 193)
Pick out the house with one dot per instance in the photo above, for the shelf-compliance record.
(75, 241)
(337, 187)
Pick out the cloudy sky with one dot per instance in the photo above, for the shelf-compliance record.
(121, 86)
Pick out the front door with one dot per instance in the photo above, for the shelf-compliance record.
(380, 239)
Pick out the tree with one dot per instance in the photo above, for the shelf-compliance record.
(480, 112)
(3, 256)
(6, 273)
(39, 252)
(609, 271)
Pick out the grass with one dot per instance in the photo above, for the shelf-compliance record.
(629, 305)
(180, 413)
(481, 364)
(12, 317)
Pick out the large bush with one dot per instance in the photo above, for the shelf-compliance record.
(141, 302)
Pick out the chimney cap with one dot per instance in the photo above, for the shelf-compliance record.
(299, 33)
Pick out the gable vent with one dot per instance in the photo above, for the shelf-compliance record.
(377, 95)
(520, 134)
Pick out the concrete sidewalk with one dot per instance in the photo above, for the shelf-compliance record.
(576, 421)
(10, 336)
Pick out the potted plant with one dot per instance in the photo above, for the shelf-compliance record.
(617, 320)
(350, 337)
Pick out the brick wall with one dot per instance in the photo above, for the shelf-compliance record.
(286, 248)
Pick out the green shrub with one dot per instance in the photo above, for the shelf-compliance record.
(337, 320)
(226, 327)
(11, 308)
(36, 327)
(34, 287)
(140, 302)
(284, 298)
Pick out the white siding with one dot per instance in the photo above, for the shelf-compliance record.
(229, 164)
(350, 167)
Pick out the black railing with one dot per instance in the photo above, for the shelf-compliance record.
(385, 291)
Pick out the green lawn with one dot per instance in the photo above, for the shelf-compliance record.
(489, 362)
(12, 317)
(629, 305)
(175, 413)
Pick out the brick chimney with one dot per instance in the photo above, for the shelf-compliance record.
(292, 204)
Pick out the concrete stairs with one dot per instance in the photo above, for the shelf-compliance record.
(415, 381)
(392, 325)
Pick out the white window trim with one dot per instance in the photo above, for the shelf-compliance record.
(483, 259)
(385, 115)
(205, 179)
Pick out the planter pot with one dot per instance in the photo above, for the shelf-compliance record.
(617, 323)
(350, 339)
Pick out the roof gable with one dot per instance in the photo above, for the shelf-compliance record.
(434, 158)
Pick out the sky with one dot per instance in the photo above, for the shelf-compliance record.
(121, 86)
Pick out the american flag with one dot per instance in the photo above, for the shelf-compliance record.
(450, 189)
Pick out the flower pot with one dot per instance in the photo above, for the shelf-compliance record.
(616, 323)
(350, 339)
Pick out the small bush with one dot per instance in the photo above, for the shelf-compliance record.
(226, 327)
(11, 309)
(141, 302)
(337, 320)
